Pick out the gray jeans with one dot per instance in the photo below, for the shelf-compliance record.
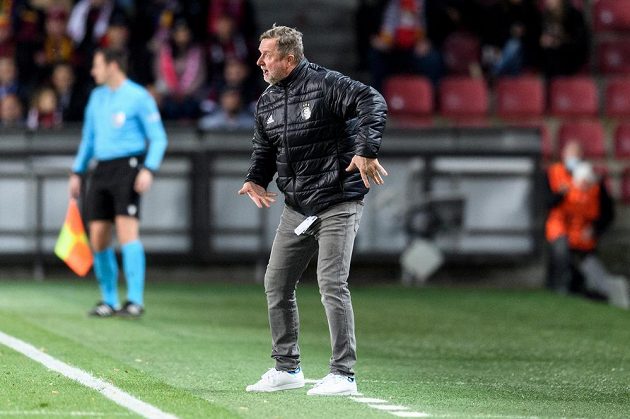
(332, 238)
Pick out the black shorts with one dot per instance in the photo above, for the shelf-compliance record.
(110, 191)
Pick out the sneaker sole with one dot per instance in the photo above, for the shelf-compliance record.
(279, 388)
(342, 393)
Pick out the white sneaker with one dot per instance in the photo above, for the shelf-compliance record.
(619, 295)
(334, 385)
(274, 380)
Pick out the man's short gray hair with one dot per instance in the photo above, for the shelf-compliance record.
(289, 41)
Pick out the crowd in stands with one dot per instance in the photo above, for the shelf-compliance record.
(560, 65)
(493, 38)
(469, 59)
(193, 55)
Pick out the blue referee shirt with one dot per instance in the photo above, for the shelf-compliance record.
(118, 124)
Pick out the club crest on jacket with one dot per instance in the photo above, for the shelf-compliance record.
(306, 111)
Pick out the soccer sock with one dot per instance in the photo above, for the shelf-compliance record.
(106, 270)
(134, 267)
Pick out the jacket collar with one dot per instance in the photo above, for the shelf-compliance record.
(294, 74)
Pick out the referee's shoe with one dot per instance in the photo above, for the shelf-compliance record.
(102, 309)
(131, 310)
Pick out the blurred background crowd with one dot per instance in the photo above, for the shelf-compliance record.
(198, 57)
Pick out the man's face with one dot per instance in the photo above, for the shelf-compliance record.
(274, 66)
(100, 69)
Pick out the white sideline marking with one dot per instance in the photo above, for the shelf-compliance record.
(388, 407)
(311, 381)
(108, 390)
(411, 414)
(367, 400)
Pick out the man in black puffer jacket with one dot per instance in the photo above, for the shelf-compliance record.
(320, 131)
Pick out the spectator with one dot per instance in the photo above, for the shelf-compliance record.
(232, 114)
(226, 42)
(9, 83)
(11, 111)
(564, 39)
(367, 24)
(510, 36)
(87, 26)
(241, 13)
(43, 112)
(444, 17)
(71, 97)
(117, 33)
(88, 22)
(236, 75)
(7, 44)
(28, 28)
(580, 211)
(180, 72)
(402, 44)
(56, 45)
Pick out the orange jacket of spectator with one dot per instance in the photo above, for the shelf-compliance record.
(576, 212)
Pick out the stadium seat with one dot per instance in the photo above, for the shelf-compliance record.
(622, 141)
(625, 185)
(617, 97)
(573, 96)
(520, 97)
(611, 15)
(590, 134)
(460, 51)
(409, 99)
(463, 98)
(613, 56)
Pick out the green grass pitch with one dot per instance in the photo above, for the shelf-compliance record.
(443, 352)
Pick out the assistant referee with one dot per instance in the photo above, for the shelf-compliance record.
(124, 133)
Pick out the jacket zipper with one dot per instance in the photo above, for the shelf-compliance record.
(286, 143)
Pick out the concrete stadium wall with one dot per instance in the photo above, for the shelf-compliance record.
(193, 214)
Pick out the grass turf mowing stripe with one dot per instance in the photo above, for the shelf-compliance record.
(48, 413)
(108, 390)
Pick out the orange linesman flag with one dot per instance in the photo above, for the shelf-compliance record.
(72, 245)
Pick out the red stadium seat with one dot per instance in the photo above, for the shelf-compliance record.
(625, 185)
(611, 15)
(460, 50)
(590, 134)
(409, 99)
(613, 56)
(463, 98)
(573, 96)
(622, 141)
(520, 97)
(617, 97)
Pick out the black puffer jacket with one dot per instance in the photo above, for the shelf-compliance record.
(308, 128)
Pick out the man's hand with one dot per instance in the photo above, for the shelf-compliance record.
(258, 194)
(74, 186)
(143, 182)
(369, 168)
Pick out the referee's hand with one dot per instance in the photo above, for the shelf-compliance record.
(74, 186)
(144, 179)
(258, 194)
